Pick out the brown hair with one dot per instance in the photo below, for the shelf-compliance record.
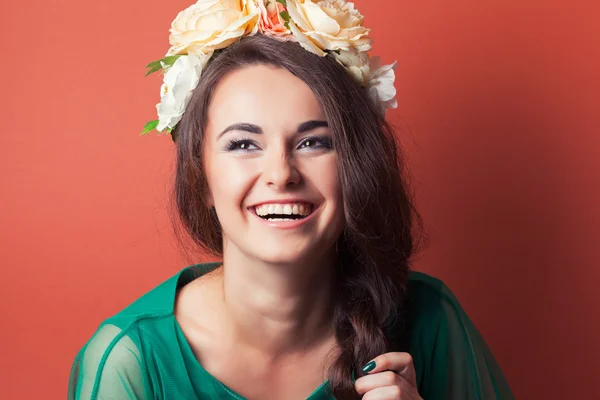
(381, 222)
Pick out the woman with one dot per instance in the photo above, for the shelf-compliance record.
(287, 170)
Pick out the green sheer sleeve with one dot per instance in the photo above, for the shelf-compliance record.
(109, 366)
(461, 364)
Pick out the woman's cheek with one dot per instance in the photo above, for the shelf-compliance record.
(236, 178)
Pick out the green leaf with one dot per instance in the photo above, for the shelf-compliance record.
(282, 2)
(285, 16)
(158, 64)
(287, 25)
(153, 67)
(150, 126)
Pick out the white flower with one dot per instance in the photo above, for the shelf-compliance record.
(381, 85)
(368, 71)
(179, 82)
(357, 64)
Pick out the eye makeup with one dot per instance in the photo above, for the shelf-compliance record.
(243, 144)
(239, 144)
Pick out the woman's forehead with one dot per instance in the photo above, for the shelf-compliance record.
(263, 95)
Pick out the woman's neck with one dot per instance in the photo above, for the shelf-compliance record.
(278, 311)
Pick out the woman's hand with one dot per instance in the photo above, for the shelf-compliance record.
(392, 377)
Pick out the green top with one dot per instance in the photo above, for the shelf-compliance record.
(141, 352)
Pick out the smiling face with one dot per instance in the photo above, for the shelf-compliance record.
(268, 151)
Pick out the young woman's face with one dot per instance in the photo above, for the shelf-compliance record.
(271, 168)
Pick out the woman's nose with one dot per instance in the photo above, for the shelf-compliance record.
(280, 170)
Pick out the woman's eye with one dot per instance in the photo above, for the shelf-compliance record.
(316, 142)
(308, 143)
(243, 145)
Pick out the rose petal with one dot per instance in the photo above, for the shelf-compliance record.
(224, 40)
(304, 41)
(363, 44)
(216, 20)
(320, 40)
(252, 18)
(298, 16)
(319, 20)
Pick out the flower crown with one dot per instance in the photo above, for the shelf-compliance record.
(322, 27)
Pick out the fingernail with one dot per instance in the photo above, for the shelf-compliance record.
(369, 367)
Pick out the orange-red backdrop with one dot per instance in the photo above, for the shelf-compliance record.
(498, 105)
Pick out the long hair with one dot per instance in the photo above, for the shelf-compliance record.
(381, 222)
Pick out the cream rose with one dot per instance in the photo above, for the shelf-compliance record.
(327, 25)
(212, 24)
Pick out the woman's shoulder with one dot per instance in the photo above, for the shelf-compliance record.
(113, 361)
(426, 293)
(115, 349)
(160, 300)
(422, 281)
(430, 303)
(138, 320)
(451, 357)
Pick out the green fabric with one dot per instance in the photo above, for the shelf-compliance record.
(141, 353)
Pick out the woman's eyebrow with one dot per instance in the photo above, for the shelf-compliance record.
(251, 128)
(241, 127)
(310, 125)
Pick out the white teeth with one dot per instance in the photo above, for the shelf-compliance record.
(277, 209)
(302, 209)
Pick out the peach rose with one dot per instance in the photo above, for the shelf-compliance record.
(327, 25)
(209, 25)
(271, 23)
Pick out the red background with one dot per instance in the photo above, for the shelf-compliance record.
(498, 109)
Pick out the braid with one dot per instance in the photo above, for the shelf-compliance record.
(365, 301)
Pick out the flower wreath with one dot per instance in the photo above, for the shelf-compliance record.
(322, 27)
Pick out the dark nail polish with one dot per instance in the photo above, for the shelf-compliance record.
(369, 367)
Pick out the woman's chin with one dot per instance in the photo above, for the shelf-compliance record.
(283, 257)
